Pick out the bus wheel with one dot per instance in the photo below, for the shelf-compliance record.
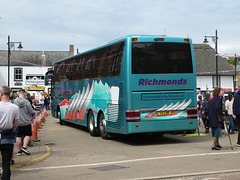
(91, 124)
(60, 119)
(102, 127)
(158, 134)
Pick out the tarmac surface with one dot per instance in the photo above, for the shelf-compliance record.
(40, 152)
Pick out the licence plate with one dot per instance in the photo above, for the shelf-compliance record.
(164, 113)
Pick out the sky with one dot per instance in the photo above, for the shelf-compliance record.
(52, 25)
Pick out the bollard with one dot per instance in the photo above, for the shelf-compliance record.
(34, 131)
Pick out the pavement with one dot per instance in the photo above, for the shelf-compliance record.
(39, 152)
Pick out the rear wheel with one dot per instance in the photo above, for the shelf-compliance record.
(159, 134)
(60, 119)
(102, 127)
(91, 125)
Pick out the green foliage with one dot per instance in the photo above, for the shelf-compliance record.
(231, 60)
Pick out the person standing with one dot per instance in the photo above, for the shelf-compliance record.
(229, 109)
(199, 104)
(204, 111)
(215, 109)
(41, 101)
(30, 99)
(236, 113)
(9, 115)
(24, 126)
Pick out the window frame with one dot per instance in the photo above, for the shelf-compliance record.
(18, 74)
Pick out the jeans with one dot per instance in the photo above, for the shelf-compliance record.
(6, 150)
(231, 125)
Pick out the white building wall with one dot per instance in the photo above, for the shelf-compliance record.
(204, 82)
(3, 75)
(227, 82)
(27, 71)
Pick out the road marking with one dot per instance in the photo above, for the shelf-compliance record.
(189, 174)
(129, 161)
(32, 161)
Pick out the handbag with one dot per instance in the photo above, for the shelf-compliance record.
(204, 115)
(220, 117)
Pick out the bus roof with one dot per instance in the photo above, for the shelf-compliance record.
(174, 39)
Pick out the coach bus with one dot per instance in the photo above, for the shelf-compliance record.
(135, 84)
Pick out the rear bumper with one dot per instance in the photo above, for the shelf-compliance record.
(161, 126)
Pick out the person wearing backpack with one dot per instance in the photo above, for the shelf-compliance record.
(204, 111)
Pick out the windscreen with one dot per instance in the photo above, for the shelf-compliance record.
(156, 58)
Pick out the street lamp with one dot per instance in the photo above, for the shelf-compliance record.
(214, 39)
(10, 44)
(235, 77)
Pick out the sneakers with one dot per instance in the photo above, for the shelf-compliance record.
(23, 149)
(238, 144)
(19, 153)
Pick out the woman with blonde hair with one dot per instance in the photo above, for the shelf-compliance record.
(215, 110)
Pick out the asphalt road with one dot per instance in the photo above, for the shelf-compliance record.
(77, 155)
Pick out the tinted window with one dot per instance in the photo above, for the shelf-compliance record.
(155, 58)
(101, 63)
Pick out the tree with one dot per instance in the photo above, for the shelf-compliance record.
(231, 60)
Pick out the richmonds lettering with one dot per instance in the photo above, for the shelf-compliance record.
(155, 82)
(64, 90)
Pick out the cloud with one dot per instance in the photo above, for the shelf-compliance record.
(51, 25)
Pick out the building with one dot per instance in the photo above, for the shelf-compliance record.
(28, 68)
(205, 57)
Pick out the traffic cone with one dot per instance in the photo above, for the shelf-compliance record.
(34, 132)
(38, 120)
(45, 112)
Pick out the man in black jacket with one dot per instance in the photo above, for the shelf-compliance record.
(236, 113)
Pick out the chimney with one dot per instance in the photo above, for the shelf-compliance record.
(71, 49)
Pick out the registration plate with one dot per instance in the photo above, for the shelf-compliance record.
(164, 113)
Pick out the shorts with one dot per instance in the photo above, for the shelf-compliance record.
(24, 131)
(15, 134)
(216, 132)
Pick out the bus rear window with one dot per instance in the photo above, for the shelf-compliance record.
(156, 58)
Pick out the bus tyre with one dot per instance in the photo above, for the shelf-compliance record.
(102, 127)
(158, 134)
(91, 124)
(60, 119)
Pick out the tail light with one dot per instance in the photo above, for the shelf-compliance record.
(134, 39)
(192, 113)
(132, 115)
(159, 39)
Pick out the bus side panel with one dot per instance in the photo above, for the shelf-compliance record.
(96, 95)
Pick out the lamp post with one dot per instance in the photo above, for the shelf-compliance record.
(214, 39)
(9, 53)
(235, 77)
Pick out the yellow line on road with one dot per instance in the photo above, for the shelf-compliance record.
(45, 156)
(130, 161)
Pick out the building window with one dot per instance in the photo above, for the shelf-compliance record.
(18, 74)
